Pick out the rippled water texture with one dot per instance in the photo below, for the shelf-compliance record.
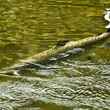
(78, 82)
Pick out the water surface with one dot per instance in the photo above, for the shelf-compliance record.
(79, 82)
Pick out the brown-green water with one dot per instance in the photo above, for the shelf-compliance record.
(79, 82)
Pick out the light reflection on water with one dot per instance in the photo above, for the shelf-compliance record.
(77, 82)
(73, 87)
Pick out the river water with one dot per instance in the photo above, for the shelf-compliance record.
(78, 82)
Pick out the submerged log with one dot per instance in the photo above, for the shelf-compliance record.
(45, 55)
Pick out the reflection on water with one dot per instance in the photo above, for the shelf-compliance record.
(76, 80)
(86, 91)
(76, 85)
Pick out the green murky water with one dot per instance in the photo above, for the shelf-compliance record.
(80, 82)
